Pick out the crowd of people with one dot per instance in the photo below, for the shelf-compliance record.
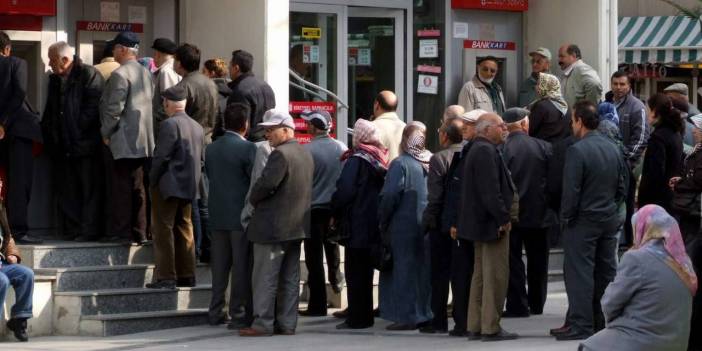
(199, 161)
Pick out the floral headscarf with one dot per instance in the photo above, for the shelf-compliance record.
(548, 87)
(414, 143)
(367, 145)
(651, 224)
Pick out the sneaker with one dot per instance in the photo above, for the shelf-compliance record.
(162, 284)
(499, 336)
(19, 328)
(27, 240)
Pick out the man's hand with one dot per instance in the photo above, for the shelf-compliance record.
(454, 233)
(106, 141)
(673, 181)
(11, 259)
(505, 228)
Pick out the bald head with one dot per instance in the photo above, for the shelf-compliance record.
(490, 126)
(453, 112)
(567, 55)
(385, 101)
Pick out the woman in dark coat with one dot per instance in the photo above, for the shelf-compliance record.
(663, 158)
(355, 207)
(549, 119)
(405, 290)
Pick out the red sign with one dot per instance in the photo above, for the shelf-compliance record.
(302, 106)
(429, 69)
(95, 26)
(21, 22)
(499, 5)
(489, 45)
(28, 7)
(429, 33)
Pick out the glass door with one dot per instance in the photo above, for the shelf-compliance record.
(376, 59)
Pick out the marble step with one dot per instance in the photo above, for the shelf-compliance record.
(129, 323)
(72, 254)
(71, 307)
(111, 277)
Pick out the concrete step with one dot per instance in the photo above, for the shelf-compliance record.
(72, 254)
(128, 323)
(71, 307)
(111, 277)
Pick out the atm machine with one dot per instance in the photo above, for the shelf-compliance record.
(506, 54)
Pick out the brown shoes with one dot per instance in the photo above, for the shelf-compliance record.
(253, 332)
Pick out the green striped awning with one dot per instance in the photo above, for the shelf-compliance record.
(659, 39)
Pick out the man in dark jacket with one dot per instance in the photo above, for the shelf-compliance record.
(248, 89)
(486, 204)
(281, 197)
(71, 128)
(450, 137)
(174, 178)
(19, 131)
(527, 159)
(595, 181)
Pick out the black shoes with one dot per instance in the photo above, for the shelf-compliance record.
(185, 282)
(343, 314)
(430, 329)
(308, 313)
(19, 328)
(346, 325)
(162, 284)
(221, 319)
(502, 335)
(400, 327)
(25, 239)
(474, 336)
(458, 333)
(572, 334)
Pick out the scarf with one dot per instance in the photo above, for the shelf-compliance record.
(494, 91)
(548, 87)
(607, 111)
(367, 145)
(414, 141)
(658, 232)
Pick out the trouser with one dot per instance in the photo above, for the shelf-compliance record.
(628, 239)
(127, 200)
(440, 246)
(689, 227)
(79, 189)
(535, 243)
(231, 253)
(589, 266)
(276, 286)
(462, 260)
(315, 249)
(201, 219)
(359, 282)
(489, 285)
(694, 250)
(18, 161)
(21, 278)
(174, 249)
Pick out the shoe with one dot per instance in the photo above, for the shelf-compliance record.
(400, 327)
(19, 328)
(162, 284)
(572, 335)
(236, 325)
(510, 314)
(343, 314)
(458, 333)
(27, 240)
(376, 312)
(222, 319)
(560, 330)
(308, 313)
(185, 282)
(253, 332)
(85, 238)
(429, 329)
(499, 336)
(346, 325)
(285, 332)
(473, 336)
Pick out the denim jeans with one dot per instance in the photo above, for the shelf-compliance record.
(21, 278)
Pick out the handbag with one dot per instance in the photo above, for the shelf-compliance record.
(687, 203)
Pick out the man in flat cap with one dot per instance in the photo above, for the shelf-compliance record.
(540, 63)
(164, 77)
(527, 159)
(174, 179)
(127, 130)
(681, 91)
(482, 92)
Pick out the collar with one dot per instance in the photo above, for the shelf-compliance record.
(570, 68)
(108, 59)
(388, 115)
(241, 77)
(516, 133)
(167, 64)
(623, 100)
(229, 132)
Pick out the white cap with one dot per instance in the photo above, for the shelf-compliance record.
(277, 118)
(472, 116)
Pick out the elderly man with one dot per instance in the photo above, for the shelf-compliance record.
(19, 132)
(681, 91)
(175, 180)
(164, 77)
(486, 202)
(285, 183)
(452, 112)
(249, 89)
(594, 184)
(71, 129)
(579, 80)
(127, 129)
(450, 138)
(389, 124)
(540, 63)
(482, 92)
(527, 159)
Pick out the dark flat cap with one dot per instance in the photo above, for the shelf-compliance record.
(175, 93)
(128, 39)
(165, 45)
(514, 114)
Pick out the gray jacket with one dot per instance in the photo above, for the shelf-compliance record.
(177, 164)
(582, 83)
(164, 78)
(634, 127)
(647, 307)
(263, 150)
(436, 185)
(202, 104)
(282, 196)
(326, 153)
(126, 112)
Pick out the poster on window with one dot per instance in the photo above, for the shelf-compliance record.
(427, 84)
(297, 107)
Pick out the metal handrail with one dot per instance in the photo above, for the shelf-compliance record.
(307, 83)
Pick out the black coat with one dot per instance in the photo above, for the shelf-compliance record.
(547, 123)
(486, 195)
(16, 114)
(662, 161)
(554, 183)
(449, 211)
(527, 159)
(258, 95)
(224, 92)
(355, 202)
(71, 121)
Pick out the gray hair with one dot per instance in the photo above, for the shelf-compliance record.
(62, 49)
(483, 125)
(134, 51)
(179, 104)
(453, 112)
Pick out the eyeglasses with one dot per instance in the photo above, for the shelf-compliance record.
(488, 69)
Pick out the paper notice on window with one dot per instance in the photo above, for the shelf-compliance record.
(137, 14)
(460, 30)
(109, 11)
(427, 84)
(428, 48)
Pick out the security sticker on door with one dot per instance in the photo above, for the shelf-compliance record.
(429, 48)
(310, 54)
(311, 32)
(427, 84)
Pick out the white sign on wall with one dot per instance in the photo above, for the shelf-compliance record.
(109, 11)
(427, 84)
(428, 48)
(137, 14)
(460, 30)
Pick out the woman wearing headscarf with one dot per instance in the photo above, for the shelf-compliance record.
(609, 122)
(549, 118)
(647, 306)
(405, 290)
(355, 208)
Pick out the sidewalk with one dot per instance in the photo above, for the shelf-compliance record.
(319, 334)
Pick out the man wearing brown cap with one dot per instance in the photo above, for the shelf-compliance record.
(164, 77)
